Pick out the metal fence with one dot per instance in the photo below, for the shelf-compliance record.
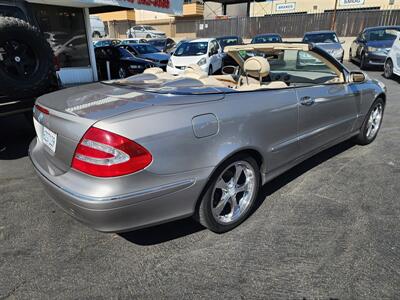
(348, 23)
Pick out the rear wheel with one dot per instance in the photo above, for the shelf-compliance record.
(388, 68)
(96, 35)
(230, 194)
(148, 36)
(372, 123)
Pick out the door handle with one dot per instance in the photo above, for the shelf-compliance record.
(307, 101)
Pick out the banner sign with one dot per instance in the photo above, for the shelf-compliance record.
(174, 7)
(351, 2)
(286, 6)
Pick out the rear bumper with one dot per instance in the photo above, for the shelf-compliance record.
(140, 208)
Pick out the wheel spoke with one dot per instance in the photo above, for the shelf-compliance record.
(221, 204)
(20, 69)
(238, 173)
(233, 203)
(221, 184)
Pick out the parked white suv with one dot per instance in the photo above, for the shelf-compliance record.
(97, 26)
(206, 53)
(392, 62)
(144, 31)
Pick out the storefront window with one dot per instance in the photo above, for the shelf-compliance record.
(64, 28)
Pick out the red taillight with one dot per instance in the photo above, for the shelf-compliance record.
(105, 154)
(41, 109)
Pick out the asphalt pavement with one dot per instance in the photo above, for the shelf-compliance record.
(329, 228)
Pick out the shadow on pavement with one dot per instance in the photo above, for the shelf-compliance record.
(163, 233)
(16, 133)
(177, 229)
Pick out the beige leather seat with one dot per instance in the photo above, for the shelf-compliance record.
(195, 72)
(257, 67)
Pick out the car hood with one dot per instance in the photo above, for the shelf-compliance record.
(106, 99)
(329, 46)
(186, 60)
(380, 44)
(155, 56)
(136, 60)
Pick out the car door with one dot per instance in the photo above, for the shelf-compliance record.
(360, 44)
(213, 53)
(327, 104)
(395, 54)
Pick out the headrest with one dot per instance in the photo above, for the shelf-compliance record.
(194, 71)
(256, 66)
(153, 70)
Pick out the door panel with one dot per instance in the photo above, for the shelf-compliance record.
(326, 112)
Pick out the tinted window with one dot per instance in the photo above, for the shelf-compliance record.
(144, 48)
(382, 34)
(228, 41)
(148, 28)
(192, 49)
(266, 39)
(124, 53)
(329, 37)
(64, 28)
(10, 11)
(157, 43)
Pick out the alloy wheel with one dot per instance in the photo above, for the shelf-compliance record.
(233, 192)
(374, 121)
(388, 70)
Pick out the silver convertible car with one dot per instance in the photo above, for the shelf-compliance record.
(121, 155)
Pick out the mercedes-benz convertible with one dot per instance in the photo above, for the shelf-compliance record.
(151, 148)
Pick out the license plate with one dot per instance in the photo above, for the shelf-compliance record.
(49, 139)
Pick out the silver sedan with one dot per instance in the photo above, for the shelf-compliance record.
(122, 155)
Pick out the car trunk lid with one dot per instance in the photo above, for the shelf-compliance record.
(65, 115)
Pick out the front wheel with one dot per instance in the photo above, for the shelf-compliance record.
(363, 62)
(230, 194)
(121, 73)
(372, 123)
(388, 69)
(210, 70)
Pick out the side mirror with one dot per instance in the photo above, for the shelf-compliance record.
(229, 70)
(357, 77)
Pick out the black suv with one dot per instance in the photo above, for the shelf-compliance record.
(27, 63)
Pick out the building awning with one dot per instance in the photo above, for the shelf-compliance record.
(174, 7)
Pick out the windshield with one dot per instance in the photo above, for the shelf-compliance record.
(329, 37)
(228, 41)
(124, 53)
(192, 49)
(383, 34)
(266, 39)
(145, 48)
(127, 42)
(157, 43)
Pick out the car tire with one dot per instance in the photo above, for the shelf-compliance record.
(27, 63)
(388, 69)
(148, 36)
(210, 70)
(219, 210)
(122, 73)
(363, 63)
(96, 35)
(372, 123)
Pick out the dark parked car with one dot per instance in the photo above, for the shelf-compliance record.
(122, 62)
(177, 46)
(326, 40)
(149, 52)
(163, 45)
(108, 42)
(27, 63)
(372, 46)
(229, 41)
(267, 38)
